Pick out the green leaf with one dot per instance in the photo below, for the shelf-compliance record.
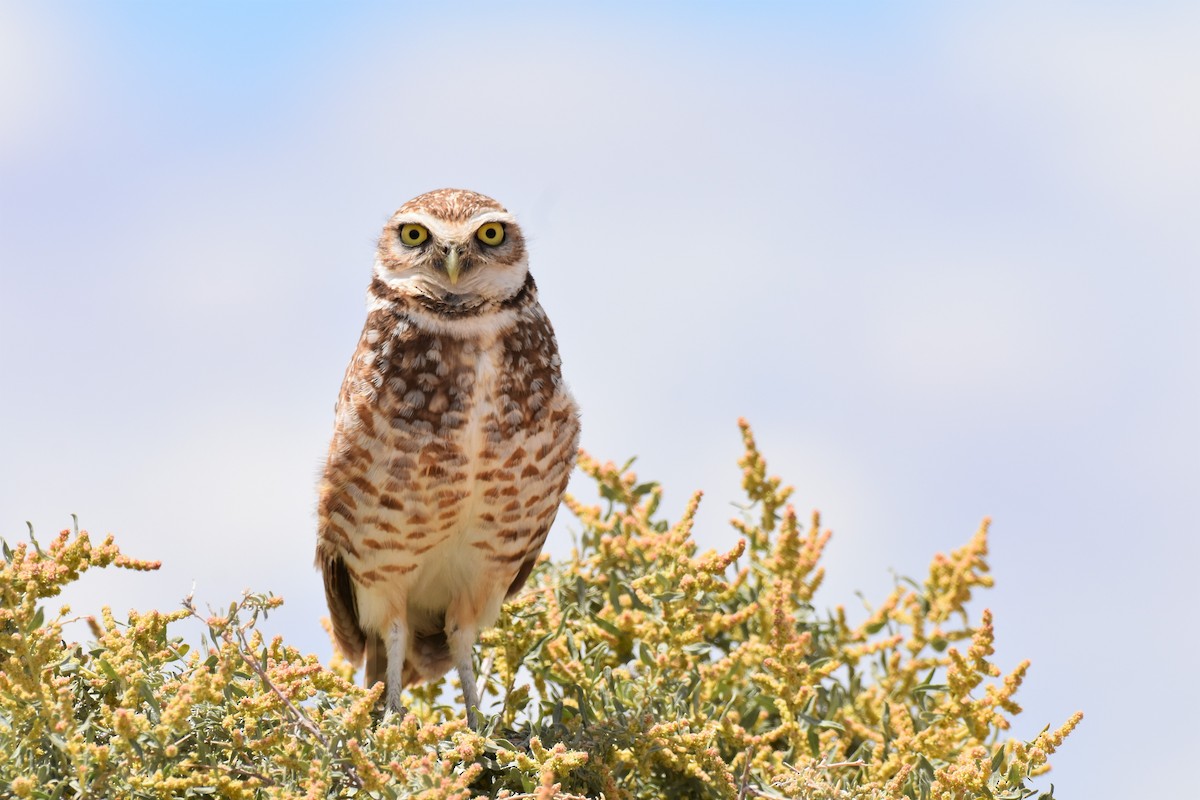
(150, 698)
(929, 687)
(643, 489)
(604, 624)
(108, 670)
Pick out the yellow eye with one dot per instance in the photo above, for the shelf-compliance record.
(490, 233)
(413, 234)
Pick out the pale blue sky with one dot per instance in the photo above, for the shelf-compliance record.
(945, 260)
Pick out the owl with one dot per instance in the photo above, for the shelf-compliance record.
(453, 440)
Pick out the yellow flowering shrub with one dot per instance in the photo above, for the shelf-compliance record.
(638, 668)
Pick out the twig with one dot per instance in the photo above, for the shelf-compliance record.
(300, 717)
(242, 646)
(744, 788)
(246, 773)
(826, 765)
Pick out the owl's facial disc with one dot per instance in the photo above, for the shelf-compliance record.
(462, 263)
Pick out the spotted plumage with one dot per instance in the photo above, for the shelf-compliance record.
(453, 442)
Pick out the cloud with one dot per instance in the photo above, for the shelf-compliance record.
(1110, 88)
(37, 51)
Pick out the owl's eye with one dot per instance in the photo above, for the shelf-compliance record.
(490, 233)
(413, 234)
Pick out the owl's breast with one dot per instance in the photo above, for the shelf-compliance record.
(470, 449)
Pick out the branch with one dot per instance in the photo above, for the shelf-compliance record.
(242, 647)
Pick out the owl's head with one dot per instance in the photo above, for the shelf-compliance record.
(452, 250)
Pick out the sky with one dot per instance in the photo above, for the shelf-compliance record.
(944, 258)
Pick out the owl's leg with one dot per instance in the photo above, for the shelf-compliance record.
(466, 676)
(461, 633)
(397, 646)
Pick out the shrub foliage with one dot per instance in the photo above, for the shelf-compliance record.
(638, 668)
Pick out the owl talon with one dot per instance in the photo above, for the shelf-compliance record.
(393, 704)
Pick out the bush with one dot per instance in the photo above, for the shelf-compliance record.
(638, 668)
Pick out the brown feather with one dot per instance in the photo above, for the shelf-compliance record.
(343, 611)
(522, 576)
(376, 668)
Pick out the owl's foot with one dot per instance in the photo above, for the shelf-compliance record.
(393, 704)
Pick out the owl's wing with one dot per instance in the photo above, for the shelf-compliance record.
(530, 560)
(522, 574)
(531, 555)
(331, 540)
(343, 609)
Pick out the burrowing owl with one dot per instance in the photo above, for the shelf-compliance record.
(453, 442)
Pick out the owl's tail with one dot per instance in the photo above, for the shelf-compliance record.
(343, 609)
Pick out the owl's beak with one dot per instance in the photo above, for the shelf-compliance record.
(453, 265)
